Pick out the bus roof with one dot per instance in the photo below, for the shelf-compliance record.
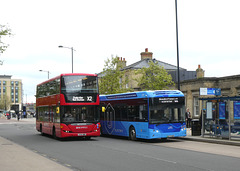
(67, 74)
(142, 94)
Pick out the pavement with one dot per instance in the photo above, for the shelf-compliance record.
(210, 139)
(14, 157)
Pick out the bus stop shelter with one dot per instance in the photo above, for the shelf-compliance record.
(220, 117)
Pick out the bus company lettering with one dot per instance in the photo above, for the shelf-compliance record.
(118, 130)
(81, 127)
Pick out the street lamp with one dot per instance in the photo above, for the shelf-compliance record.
(45, 71)
(177, 45)
(72, 53)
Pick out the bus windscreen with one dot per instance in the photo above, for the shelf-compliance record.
(79, 83)
(166, 110)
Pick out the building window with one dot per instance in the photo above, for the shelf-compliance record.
(195, 106)
(120, 82)
(16, 83)
(12, 83)
(4, 82)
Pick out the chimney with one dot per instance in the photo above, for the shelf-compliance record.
(146, 54)
(200, 72)
(122, 62)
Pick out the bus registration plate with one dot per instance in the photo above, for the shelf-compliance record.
(169, 136)
(81, 134)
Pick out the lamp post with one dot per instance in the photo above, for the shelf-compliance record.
(177, 45)
(72, 53)
(45, 71)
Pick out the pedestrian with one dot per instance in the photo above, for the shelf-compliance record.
(18, 116)
(8, 116)
(188, 118)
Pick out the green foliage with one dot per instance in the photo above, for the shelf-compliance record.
(4, 102)
(112, 80)
(4, 31)
(154, 77)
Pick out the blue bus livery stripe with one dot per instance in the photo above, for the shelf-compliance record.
(122, 96)
(142, 94)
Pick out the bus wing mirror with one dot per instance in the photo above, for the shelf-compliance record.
(57, 110)
(103, 109)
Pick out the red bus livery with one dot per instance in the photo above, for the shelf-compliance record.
(67, 106)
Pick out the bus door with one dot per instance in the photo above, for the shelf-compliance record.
(142, 121)
(109, 119)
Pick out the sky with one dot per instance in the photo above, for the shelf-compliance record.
(208, 34)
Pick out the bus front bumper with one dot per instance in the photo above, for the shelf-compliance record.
(72, 134)
(157, 134)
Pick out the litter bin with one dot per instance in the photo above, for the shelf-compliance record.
(196, 127)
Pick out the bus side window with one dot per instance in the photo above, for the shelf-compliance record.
(123, 113)
(143, 116)
(117, 112)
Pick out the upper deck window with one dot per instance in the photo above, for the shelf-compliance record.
(77, 83)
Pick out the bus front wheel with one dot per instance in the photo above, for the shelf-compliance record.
(54, 133)
(41, 131)
(132, 133)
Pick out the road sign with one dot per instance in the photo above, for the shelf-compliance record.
(210, 91)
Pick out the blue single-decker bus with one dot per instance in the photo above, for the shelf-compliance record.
(144, 114)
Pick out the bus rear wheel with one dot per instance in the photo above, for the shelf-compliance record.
(132, 134)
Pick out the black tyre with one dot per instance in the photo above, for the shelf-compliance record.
(41, 130)
(87, 138)
(132, 134)
(54, 133)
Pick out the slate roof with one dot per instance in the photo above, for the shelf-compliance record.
(171, 69)
(145, 63)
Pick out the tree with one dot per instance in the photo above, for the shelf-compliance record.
(112, 78)
(154, 77)
(5, 102)
(4, 31)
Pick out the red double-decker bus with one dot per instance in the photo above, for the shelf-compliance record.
(67, 106)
